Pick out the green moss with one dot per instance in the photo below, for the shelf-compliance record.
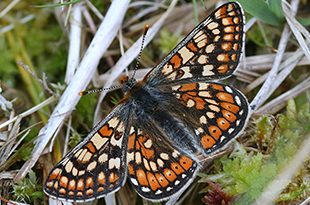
(28, 189)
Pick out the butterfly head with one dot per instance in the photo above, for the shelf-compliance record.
(127, 83)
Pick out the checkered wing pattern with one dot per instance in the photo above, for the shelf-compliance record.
(156, 169)
(216, 113)
(211, 51)
(93, 168)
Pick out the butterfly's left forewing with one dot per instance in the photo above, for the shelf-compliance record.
(95, 167)
(156, 169)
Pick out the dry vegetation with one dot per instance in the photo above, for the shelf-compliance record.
(51, 52)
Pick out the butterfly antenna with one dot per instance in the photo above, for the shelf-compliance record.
(146, 28)
(86, 92)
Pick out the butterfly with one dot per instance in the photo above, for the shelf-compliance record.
(152, 137)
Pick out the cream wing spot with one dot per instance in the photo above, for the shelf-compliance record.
(202, 59)
(167, 69)
(190, 103)
(176, 87)
(210, 48)
(214, 108)
(238, 101)
(216, 31)
(134, 181)
(164, 156)
(187, 73)
(145, 189)
(114, 162)
(203, 86)
(78, 153)
(81, 172)
(207, 70)
(186, 54)
(130, 156)
(103, 158)
(228, 89)
(160, 162)
(69, 166)
(175, 154)
(148, 144)
(204, 94)
(153, 166)
(74, 171)
(203, 120)
(138, 158)
(212, 25)
(98, 141)
(115, 142)
(92, 166)
(146, 164)
(210, 115)
(113, 122)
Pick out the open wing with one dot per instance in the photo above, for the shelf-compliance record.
(214, 112)
(211, 51)
(96, 166)
(156, 169)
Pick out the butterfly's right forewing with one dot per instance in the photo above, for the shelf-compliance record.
(211, 51)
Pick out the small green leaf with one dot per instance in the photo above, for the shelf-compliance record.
(260, 10)
(304, 21)
(276, 8)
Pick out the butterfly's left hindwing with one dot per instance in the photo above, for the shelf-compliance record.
(156, 169)
(96, 166)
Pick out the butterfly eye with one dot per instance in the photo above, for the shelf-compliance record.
(123, 79)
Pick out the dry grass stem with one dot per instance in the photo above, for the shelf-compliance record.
(280, 102)
(295, 26)
(9, 7)
(30, 111)
(94, 10)
(264, 93)
(74, 41)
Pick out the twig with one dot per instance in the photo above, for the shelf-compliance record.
(74, 41)
(9, 7)
(30, 111)
(295, 26)
(101, 41)
(306, 202)
(94, 9)
(24, 20)
(275, 188)
(278, 103)
(89, 20)
(67, 136)
(294, 59)
(5, 105)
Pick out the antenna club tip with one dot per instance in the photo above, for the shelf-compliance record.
(82, 93)
(146, 28)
